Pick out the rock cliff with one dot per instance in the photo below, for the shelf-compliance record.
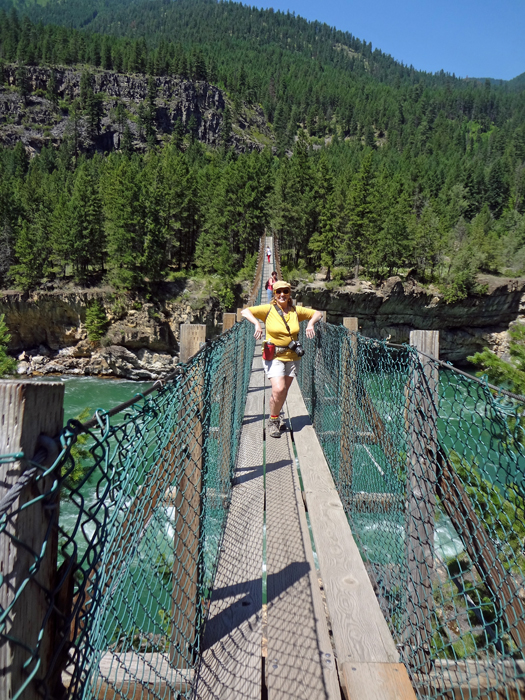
(36, 121)
(397, 307)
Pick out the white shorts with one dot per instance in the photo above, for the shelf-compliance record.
(278, 368)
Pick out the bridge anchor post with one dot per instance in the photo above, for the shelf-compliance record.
(422, 394)
(29, 537)
(347, 391)
(228, 321)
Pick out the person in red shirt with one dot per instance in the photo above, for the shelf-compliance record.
(269, 285)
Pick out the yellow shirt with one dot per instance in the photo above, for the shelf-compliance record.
(276, 330)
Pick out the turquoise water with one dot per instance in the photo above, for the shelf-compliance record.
(142, 592)
(91, 393)
(472, 427)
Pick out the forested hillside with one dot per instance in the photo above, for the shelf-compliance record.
(370, 160)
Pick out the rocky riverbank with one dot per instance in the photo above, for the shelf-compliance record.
(141, 341)
(49, 333)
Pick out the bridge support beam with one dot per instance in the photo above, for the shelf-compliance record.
(192, 337)
(186, 613)
(228, 321)
(421, 499)
(29, 411)
(347, 392)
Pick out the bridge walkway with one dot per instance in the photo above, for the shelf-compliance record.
(281, 624)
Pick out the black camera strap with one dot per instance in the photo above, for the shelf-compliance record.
(281, 314)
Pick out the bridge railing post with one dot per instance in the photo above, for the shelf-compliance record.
(228, 321)
(348, 403)
(192, 336)
(188, 507)
(239, 314)
(30, 414)
(421, 497)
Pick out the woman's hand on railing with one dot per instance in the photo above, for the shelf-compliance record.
(247, 314)
(310, 330)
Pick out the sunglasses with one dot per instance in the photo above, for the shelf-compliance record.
(282, 291)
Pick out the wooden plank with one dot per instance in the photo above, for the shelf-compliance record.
(481, 550)
(134, 675)
(191, 337)
(299, 653)
(421, 487)
(328, 662)
(376, 681)
(27, 411)
(231, 660)
(359, 628)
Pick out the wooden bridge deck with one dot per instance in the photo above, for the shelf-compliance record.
(321, 634)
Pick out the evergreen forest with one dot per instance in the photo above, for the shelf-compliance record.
(372, 162)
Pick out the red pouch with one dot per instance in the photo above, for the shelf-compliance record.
(268, 352)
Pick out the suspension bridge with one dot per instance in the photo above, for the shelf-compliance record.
(167, 549)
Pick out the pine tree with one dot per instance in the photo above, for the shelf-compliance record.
(22, 82)
(32, 252)
(323, 243)
(501, 372)
(96, 321)
(123, 223)
(7, 364)
(359, 213)
(85, 223)
(51, 89)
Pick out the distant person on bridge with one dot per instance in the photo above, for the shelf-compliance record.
(269, 285)
(268, 253)
(281, 351)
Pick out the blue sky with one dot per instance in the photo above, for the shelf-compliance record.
(478, 38)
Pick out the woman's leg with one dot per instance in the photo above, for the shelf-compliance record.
(280, 386)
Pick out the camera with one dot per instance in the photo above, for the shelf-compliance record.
(296, 346)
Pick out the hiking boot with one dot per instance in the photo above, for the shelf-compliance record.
(273, 428)
(282, 423)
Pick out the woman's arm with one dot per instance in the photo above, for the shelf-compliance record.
(250, 317)
(310, 330)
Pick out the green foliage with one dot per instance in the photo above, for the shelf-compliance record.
(79, 454)
(96, 321)
(502, 511)
(7, 364)
(423, 172)
(509, 374)
(247, 271)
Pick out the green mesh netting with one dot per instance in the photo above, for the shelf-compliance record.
(143, 505)
(143, 497)
(429, 464)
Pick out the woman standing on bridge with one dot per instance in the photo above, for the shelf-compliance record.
(281, 351)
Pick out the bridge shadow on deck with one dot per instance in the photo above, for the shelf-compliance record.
(244, 606)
